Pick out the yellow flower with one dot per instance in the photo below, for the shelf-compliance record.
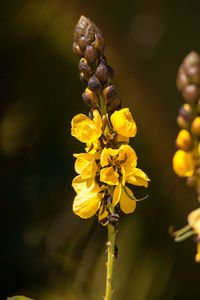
(119, 165)
(85, 165)
(127, 205)
(94, 149)
(123, 123)
(88, 198)
(85, 129)
(197, 256)
(183, 163)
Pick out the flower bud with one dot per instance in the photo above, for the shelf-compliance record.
(82, 42)
(182, 81)
(109, 93)
(191, 93)
(186, 112)
(99, 43)
(195, 127)
(94, 84)
(192, 59)
(90, 33)
(110, 72)
(102, 72)
(84, 78)
(194, 75)
(184, 140)
(90, 98)
(76, 49)
(115, 104)
(182, 122)
(90, 54)
(83, 66)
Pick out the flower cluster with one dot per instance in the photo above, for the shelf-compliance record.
(186, 158)
(186, 161)
(108, 162)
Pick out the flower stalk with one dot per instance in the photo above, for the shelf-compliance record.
(109, 163)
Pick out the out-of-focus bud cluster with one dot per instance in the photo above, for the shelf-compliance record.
(89, 45)
(186, 161)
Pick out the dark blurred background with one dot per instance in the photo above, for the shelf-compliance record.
(47, 252)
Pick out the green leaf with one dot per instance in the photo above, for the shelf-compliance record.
(18, 298)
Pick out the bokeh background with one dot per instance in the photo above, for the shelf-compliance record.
(46, 252)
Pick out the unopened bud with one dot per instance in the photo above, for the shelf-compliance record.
(182, 81)
(102, 72)
(195, 127)
(77, 50)
(110, 72)
(90, 97)
(191, 93)
(99, 43)
(194, 75)
(90, 54)
(184, 140)
(94, 84)
(182, 122)
(186, 112)
(109, 93)
(84, 78)
(192, 59)
(83, 66)
(90, 33)
(82, 42)
(115, 104)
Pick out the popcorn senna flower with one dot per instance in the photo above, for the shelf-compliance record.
(184, 163)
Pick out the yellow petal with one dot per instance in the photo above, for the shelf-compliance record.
(138, 177)
(86, 204)
(85, 129)
(109, 176)
(184, 140)
(194, 220)
(83, 185)
(183, 163)
(121, 139)
(116, 195)
(127, 205)
(127, 158)
(85, 165)
(102, 213)
(123, 123)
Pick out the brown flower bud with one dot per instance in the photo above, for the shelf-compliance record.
(102, 72)
(182, 81)
(94, 84)
(76, 49)
(109, 93)
(90, 98)
(82, 42)
(110, 72)
(115, 104)
(84, 78)
(191, 93)
(83, 66)
(192, 59)
(99, 43)
(186, 112)
(90, 54)
(182, 122)
(195, 127)
(194, 74)
(90, 33)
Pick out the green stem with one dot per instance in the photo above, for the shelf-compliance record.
(110, 262)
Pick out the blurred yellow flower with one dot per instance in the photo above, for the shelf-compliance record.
(184, 139)
(197, 256)
(183, 163)
(85, 129)
(194, 220)
(123, 123)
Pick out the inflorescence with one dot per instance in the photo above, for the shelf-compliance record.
(109, 162)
